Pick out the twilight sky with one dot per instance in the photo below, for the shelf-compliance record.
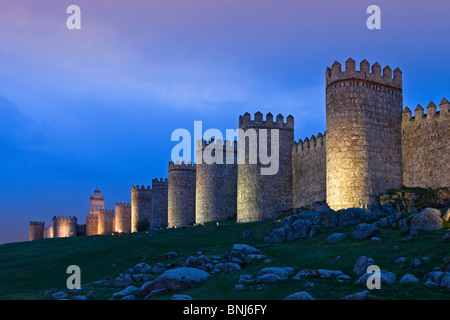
(97, 106)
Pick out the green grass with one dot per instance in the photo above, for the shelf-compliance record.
(28, 269)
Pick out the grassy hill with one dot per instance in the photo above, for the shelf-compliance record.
(28, 269)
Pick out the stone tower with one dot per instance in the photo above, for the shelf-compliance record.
(181, 194)
(96, 203)
(64, 227)
(92, 224)
(363, 125)
(260, 196)
(216, 184)
(141, 205)
(160, 202)
(36, 230)
(122, 221)
(106, 222)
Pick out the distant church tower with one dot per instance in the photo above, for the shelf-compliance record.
(96, 203)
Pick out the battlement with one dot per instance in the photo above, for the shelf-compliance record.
(107, 211)
(120, 204)
(37, 223)
(189, 166)
(69, 218)
(335, 74)
(160, 182)
(141, 189)
(307, 145)
(432, 112)
(245, 121)
(226, 146)
(92, 217)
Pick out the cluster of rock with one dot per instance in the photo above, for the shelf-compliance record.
(306, 224)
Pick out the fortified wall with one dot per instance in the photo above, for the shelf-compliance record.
(160, 193)
(309, 171)
(216, 183)
(426, 146)
(371, 145)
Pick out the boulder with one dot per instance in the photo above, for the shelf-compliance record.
(361, 265)
(357, 296)
(268, 278)
(445, 282)
(435, 276)
(415, 263)
(282, 273)
(59, 295)
(401, 260)
(142, 268)
(125, 292)
(244, 249)
(277, 235)
(79, 297)
(365, 231)
(385, 277)
(428, 219)
(228, 267)
(129, 297)
(158, 268)
(123, 281)
(302, 295)
(335, 237)
(352, 216)
(175, 280)
(408, 278)
(181, 297)
(324, 273)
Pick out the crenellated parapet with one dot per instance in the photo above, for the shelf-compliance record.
(189, 166)
(366, 75)
(159, 182)
(425, 146)
(309, 145)
(37, 223)
(431, 113)
(245, 121)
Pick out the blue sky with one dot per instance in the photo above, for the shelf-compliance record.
(97, 106)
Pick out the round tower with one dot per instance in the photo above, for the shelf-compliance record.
(123, 218)
(260, 194)
(141, 205)
(216, 183)
(106, 222)
(36, 230)
(92, 224)
(181, 194)
(64, 227)
(160, 202)
(363, 125)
